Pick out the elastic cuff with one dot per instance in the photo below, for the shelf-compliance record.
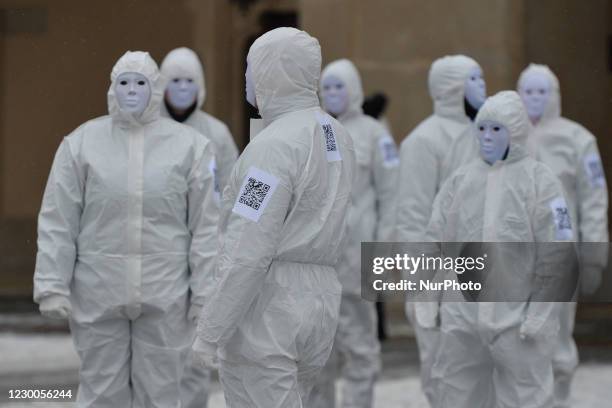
(54, 296)
(204, 347)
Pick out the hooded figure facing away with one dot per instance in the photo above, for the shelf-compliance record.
(426, 160)
(184, 97)
(275, 308)
(507, 197)
(127, 229)
(370, 218)
(571, 153)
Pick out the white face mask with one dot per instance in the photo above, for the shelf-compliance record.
(535, 92)
(181, 93)
(475, 88)
(250, 87)
(133, 92)
(494, 139)
(334, 95)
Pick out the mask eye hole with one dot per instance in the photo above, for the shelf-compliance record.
(176, 80)
(481, 128)
(529, 92)
(189, 80)
(542, 91)
(141, 83)
(326, 87)
(123, 82)
(496, 128)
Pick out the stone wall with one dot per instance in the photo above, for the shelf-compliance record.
(394, 42)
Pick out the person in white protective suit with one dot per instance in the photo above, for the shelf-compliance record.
(183, 100)
(458, 90)
(572, 154)
(127, 229)
(504, 196)
(370, 218)
(184, 97)
(275, 308)
(464, 148)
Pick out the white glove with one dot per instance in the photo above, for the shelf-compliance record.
(56, 307)
(205, 353)
(590, 279)
(528, 330)
(427, 314)
(534, 328)
(194, 312)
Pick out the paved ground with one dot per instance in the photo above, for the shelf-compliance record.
(48, 361)
(591, 390)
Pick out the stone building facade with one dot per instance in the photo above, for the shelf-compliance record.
(56, 57)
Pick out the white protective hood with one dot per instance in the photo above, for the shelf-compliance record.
(553, 107)
(346, 71)
(184, 63)
(446, 81)
(507, 108)
(139, 62)
(286, 66)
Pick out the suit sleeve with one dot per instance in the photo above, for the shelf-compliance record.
(256, 212)
(203, 214)
(58, 225)
(592, 206)
(385, 171)
(228, 154)
(555, 267)
(419, 174)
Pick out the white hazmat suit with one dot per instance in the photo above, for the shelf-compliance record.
(516, 199)
(184, 63)
(370, 218)
(425, 160)
(571, 153)
(275, 309)
(126, 229)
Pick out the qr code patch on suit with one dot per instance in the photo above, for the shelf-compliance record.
(255, 193)
(331, 144)
(330, 140)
